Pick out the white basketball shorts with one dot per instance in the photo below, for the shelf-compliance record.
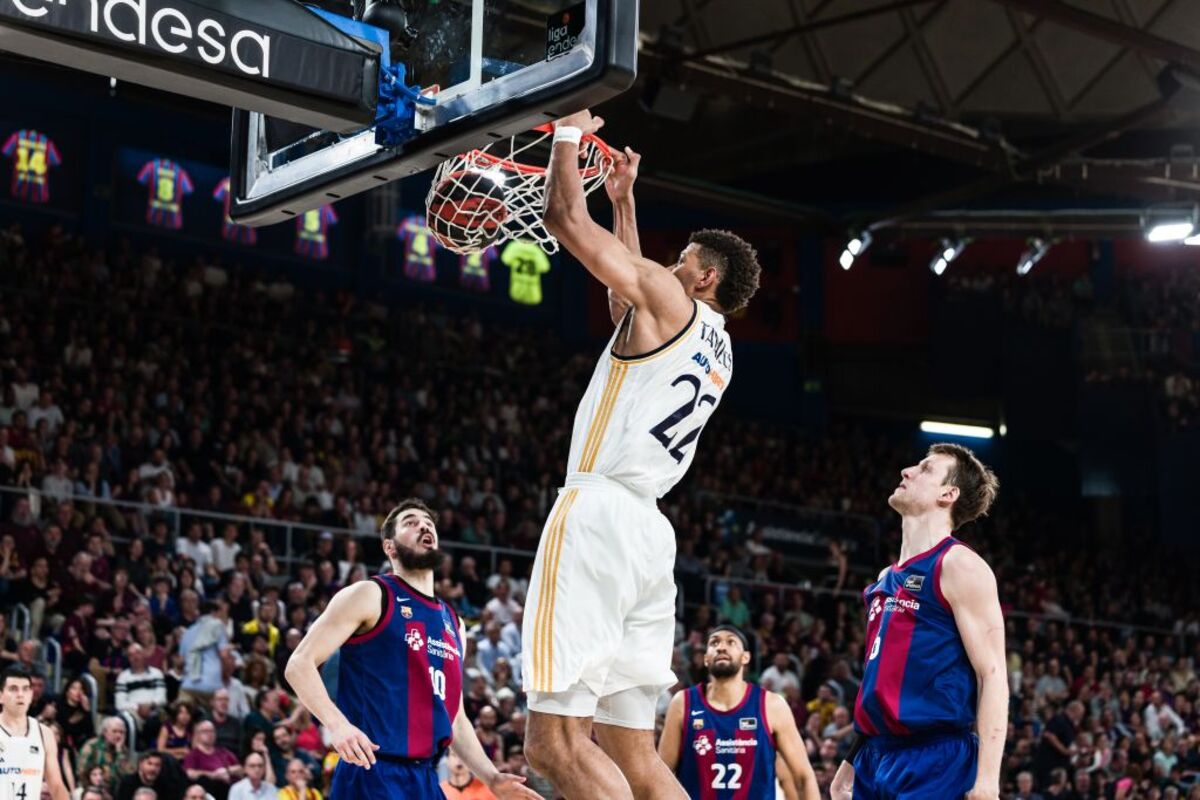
(599, 619)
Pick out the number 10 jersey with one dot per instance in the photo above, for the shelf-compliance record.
(640, 418)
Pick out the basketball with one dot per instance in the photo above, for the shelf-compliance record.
(467, 209)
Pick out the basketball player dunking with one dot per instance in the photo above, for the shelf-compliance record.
(600, 611)
(932, 710)
(721, 738)
(28, 749)
(399, 703)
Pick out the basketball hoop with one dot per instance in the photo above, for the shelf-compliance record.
(493, 194)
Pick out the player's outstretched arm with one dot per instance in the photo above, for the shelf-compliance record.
(969, 586)
(789, 745)
(352, 609)
(643, 284)
(467, 747)
(53, 772)
(669, 742)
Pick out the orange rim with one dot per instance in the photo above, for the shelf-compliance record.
(479, 156)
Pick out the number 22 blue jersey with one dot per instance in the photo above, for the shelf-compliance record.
(727, 755)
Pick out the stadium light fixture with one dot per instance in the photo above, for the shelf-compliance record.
(956, 429)
(1169, 224)
(949, 251)
(1034, 253)
(854, 248)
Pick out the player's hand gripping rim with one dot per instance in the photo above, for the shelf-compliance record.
(353, 746)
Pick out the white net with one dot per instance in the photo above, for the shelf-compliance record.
(494, 194)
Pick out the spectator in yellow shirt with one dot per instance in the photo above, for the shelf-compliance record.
(298, 778)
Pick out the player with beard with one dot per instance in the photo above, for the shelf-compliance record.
(722, 738)
(399, 690)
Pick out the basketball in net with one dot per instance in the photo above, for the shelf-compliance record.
(498, 192)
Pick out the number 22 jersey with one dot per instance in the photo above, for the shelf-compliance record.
(727, 755)
(641, 417)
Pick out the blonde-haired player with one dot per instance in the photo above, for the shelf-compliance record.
(600, 613)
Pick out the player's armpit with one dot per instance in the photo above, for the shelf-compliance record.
(669, 742)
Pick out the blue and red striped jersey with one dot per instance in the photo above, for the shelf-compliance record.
(475, 269)
(916, 677)
(400, 683)
(33, 154)
(167, 184)
(727, 755)
(312, 232)
(230, 230)
(420, 249)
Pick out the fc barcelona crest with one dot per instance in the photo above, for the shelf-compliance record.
(406, 612)
(698, 724)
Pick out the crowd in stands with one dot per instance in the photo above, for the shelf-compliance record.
(211, 388)
(1154, 312)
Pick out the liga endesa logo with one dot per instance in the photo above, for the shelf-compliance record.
(161, 27)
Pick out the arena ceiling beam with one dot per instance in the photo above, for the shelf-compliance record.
(1028, 167)
(838, 110)
(1102, 27)
(807, 26)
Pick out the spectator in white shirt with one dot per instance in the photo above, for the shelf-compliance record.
(504, 572)
(780, 675)
(58, 485)
(48, 410)
(141, 689)
(259, 783)
(225, 550)
(502, 606)
(195, 548)
(25, 391)
(1161, 719)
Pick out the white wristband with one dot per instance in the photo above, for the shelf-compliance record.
(567, 133)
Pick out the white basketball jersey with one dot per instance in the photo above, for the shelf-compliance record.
(640, 419)
(22, 763)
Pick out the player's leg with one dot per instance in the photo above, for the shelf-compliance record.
(625, 715)
(561, 748)
(631, 745)
(571, 633)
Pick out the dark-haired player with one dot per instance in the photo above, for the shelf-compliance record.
(399, 690)
(931, 714)
(600, 612)
(721, 738)
(28, 749)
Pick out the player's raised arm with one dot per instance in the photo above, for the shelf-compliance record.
(668, 743)
(355, 608)
(969, 586)
(644, 284)
(789, 745)
(619, 187)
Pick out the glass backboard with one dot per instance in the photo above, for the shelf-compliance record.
(499, 67)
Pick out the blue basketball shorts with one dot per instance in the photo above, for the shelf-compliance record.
(940, 766)
(386, 780)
